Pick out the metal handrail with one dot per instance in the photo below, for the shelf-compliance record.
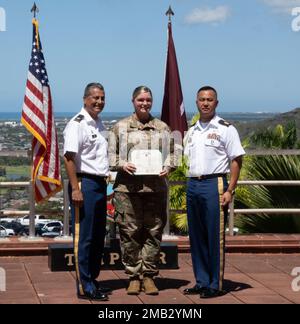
(267, 211)
(232, 211)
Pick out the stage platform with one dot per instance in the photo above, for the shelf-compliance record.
(254, 243)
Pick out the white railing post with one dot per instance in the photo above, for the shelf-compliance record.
(231, 217)
(66, 231)
(31, 210)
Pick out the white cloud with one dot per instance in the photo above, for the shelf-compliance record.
(206, 15)
(282, 6)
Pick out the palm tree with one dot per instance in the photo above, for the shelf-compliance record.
(280, 137)
(273, 167)
(178, 198)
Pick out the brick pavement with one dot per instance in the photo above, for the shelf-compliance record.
(249, 279)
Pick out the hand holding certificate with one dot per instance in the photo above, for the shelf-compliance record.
(147, 162)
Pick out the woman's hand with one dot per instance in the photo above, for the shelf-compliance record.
(165, 172)
(129, 168)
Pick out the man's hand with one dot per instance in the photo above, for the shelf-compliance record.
(226, 198)
(77, 197)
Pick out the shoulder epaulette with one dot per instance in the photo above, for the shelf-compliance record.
(224, 123)
(79, 118)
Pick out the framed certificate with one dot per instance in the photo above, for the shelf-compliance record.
(147, 162)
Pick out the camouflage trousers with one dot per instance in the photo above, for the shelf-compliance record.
(141, 218)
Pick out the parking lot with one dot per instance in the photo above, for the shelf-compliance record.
(44, 227)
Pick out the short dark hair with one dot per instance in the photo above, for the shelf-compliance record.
(208, 88)
(90, 86)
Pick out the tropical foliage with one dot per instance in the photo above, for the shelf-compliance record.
(178, 221)
(272, 167)
(178, 199)
(280, 137)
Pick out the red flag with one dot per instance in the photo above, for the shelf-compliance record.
(173, 112)
(38, 118)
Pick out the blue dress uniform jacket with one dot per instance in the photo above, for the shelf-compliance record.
(209, 148)
(84, 136)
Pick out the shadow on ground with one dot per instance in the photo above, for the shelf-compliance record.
(170, 283)
(162, 283)
(229, 286)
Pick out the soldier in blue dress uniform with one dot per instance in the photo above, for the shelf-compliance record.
(86, 161)
(214, 149)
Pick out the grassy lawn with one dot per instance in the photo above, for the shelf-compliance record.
(18, 170)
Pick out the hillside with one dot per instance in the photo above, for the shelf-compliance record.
(247, 128)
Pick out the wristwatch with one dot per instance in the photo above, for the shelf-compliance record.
(232, 192)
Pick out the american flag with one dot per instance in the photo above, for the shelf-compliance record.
(38, 118)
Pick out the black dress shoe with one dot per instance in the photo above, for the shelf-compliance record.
(96, 295)
(103, 290)
(211, 293)
(193, 291)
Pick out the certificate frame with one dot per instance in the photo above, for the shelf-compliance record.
(147, 162)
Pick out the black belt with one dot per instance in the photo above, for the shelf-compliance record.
(91, 176)
(210, 176)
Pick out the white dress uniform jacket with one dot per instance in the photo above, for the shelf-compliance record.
(211, 149)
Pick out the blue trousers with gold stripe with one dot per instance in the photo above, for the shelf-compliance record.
(206, 220)
(89, 231)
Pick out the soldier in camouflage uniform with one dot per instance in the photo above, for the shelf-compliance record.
(140, 200)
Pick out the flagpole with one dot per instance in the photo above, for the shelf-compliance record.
(31, 188)
(35, 10)
(167, 233)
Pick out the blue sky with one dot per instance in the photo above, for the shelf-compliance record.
(246, 49)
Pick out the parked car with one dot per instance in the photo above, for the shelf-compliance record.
(56, 226)
(5, 232)
(14, 225)
(8, 219)
(38, 219)
(54, 233)
(52, 229)
(38, 229)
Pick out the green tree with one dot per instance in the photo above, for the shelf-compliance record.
(279, 137)
(272, 167)
(178, 199)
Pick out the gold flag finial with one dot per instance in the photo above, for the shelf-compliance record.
(170, 13)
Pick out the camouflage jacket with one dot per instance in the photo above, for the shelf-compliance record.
(130, 134)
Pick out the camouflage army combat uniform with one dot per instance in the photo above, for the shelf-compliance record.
(140, 201)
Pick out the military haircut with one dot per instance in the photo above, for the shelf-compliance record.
(208, 88)
(91, 86)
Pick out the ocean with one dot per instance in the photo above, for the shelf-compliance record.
(114, 116)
